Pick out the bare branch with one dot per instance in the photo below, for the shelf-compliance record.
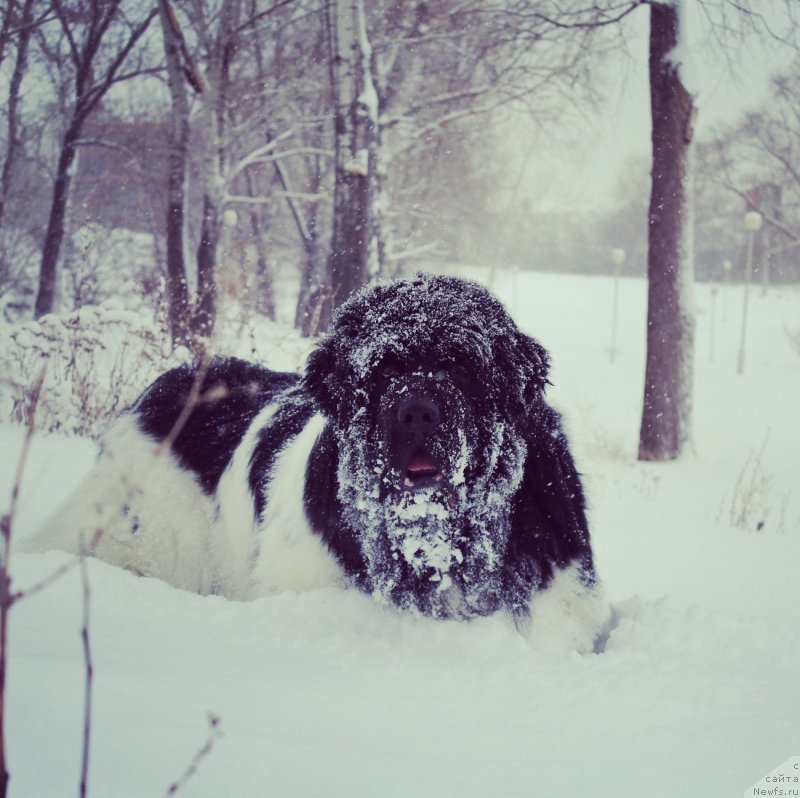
(59, 572)
(96, 93)
(258, 17)
(414, 252)
(193, 75)
(243, 199)
(760, 20)
(588, 18)
(214, 734)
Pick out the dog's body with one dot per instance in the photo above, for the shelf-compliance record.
(417, 460)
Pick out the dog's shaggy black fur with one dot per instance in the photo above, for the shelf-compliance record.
(436, 399)
(439, 479)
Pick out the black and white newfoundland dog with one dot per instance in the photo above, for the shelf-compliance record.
(417, 460)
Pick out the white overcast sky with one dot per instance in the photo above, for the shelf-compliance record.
(570, 177)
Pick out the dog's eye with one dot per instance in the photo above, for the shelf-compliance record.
(389, 370)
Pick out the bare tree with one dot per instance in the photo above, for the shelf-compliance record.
(757, 164)
(180, 70)
(98, 37)
(354, 253)
(23, 21)
(408, 80)
(215, 117)
(226, 125)
(192, 322)
(666, 415)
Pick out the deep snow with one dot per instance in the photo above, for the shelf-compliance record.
(328, 694)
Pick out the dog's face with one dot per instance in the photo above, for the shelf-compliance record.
(429, 386)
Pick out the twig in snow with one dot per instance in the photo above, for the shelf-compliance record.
(62, 570)
(214, 733)
(7, 598)
(87, 658)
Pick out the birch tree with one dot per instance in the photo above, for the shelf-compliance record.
(218, 107)
(193, 321)
(214, 118)
(406, 79)
(356, 250)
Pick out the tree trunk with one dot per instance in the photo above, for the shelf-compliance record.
(12, 127)
(265, 295)
(205, 310)
(666, 416)
(312, 299)
(177, 290)
(214, 117)
(90, 87)
(355, 250)
(175, 222)
(313, 280)
(48, 273)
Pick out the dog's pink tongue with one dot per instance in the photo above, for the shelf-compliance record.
(422, 463)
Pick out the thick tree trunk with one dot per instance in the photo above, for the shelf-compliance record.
(54, 237)
(347, 263)
(355, 251)
(666, 416)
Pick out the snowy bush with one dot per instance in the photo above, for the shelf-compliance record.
(91, 363)
(754, 505)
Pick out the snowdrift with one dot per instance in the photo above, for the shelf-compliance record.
(328, 694)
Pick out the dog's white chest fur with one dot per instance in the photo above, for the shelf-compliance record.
(288, 555)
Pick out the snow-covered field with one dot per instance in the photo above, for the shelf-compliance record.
(326, 694)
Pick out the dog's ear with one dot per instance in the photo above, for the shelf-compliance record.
(551, 502)
(524, 365)
(320, 377)
(536, 360)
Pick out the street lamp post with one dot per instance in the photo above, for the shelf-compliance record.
(752, 224)
(618, 258)
(713, 321)
(727, 267)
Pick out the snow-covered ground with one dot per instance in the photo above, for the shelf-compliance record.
(327, 694)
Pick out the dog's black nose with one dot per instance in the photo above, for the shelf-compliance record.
(418, 415)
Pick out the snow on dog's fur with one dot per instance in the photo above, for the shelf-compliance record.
(416, 460)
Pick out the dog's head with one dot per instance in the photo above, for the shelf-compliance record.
(429, 385)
